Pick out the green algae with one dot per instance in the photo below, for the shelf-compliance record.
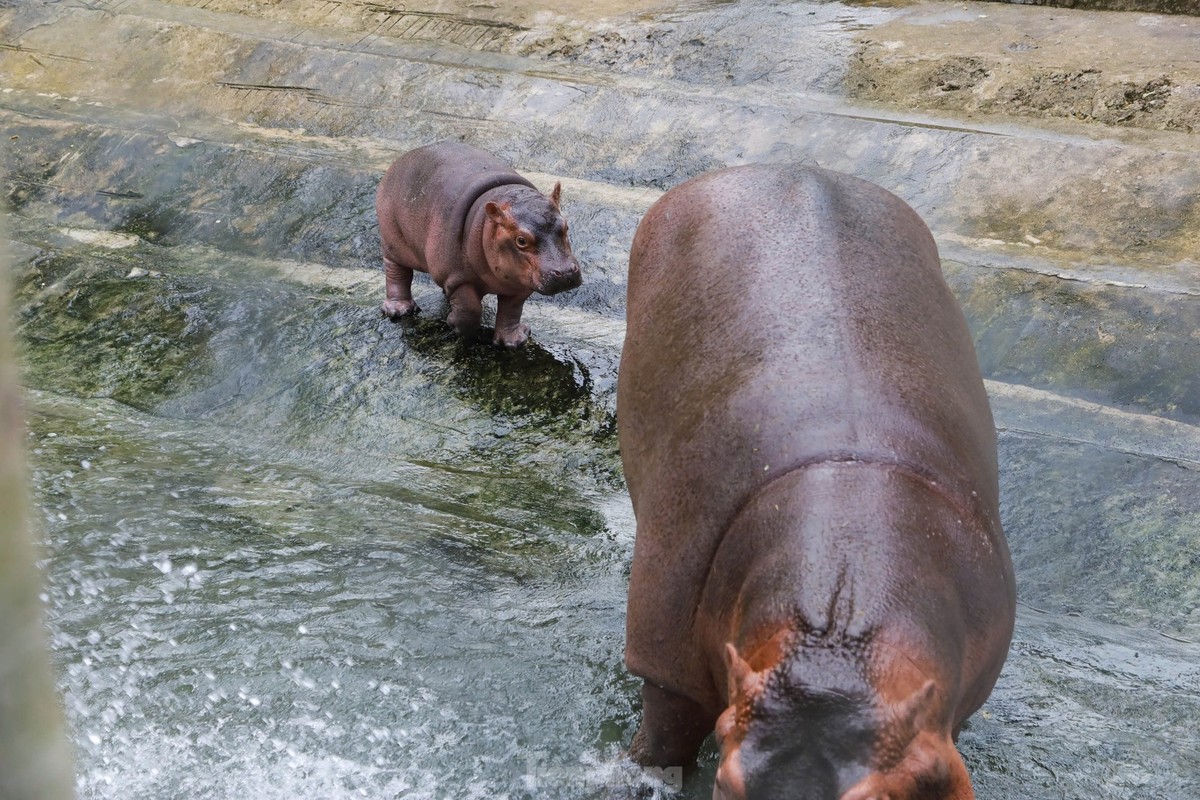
(109, 329)
(1101, 532)
(1128, 347)
(159, 328)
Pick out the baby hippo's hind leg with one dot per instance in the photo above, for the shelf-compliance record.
(466, 311)
(398, 290)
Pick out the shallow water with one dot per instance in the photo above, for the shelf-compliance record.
(341, 557)
(229, 626)
(350, 558)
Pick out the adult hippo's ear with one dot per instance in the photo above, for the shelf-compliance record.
(914, 713)
(912, 759)
(743, 685)
(556, 193)
(931, 769)
(743, 682)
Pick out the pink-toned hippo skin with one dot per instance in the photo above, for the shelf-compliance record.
(476, 227)
(819, 571)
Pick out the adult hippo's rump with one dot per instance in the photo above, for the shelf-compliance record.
(819, 568)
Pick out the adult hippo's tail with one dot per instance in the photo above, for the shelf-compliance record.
(819, 561)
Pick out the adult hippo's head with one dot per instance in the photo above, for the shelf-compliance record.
(785, 735)
(526, 243)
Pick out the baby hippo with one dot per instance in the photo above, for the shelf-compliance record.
(477, 227)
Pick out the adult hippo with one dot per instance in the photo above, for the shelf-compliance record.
(819, 570)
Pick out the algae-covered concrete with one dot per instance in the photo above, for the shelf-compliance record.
(278, 477)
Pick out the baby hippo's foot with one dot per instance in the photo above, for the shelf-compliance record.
(395, 309)
(511, 337)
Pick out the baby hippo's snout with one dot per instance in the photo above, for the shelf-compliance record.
(562, 277)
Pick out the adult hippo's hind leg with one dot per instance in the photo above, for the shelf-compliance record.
(672, 730)
(398, 290)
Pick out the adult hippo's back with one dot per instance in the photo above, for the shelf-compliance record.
(819, 568)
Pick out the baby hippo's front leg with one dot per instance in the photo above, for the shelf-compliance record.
(510, 331)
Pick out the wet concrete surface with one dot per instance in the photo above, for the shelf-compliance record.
(197, 287)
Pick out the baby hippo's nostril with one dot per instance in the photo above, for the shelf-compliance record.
(568, 276)
(561, 278)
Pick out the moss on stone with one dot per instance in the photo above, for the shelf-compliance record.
(109, 329)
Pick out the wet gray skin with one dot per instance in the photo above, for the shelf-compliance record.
(297, 550)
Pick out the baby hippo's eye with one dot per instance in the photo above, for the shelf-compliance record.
(522, 242)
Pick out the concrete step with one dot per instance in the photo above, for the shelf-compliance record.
(1114, 332)
(1026, 187)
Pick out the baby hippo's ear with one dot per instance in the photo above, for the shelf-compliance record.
(931, 769)
(499, 213)
(555, 194)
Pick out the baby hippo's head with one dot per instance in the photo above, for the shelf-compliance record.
(527, 244)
